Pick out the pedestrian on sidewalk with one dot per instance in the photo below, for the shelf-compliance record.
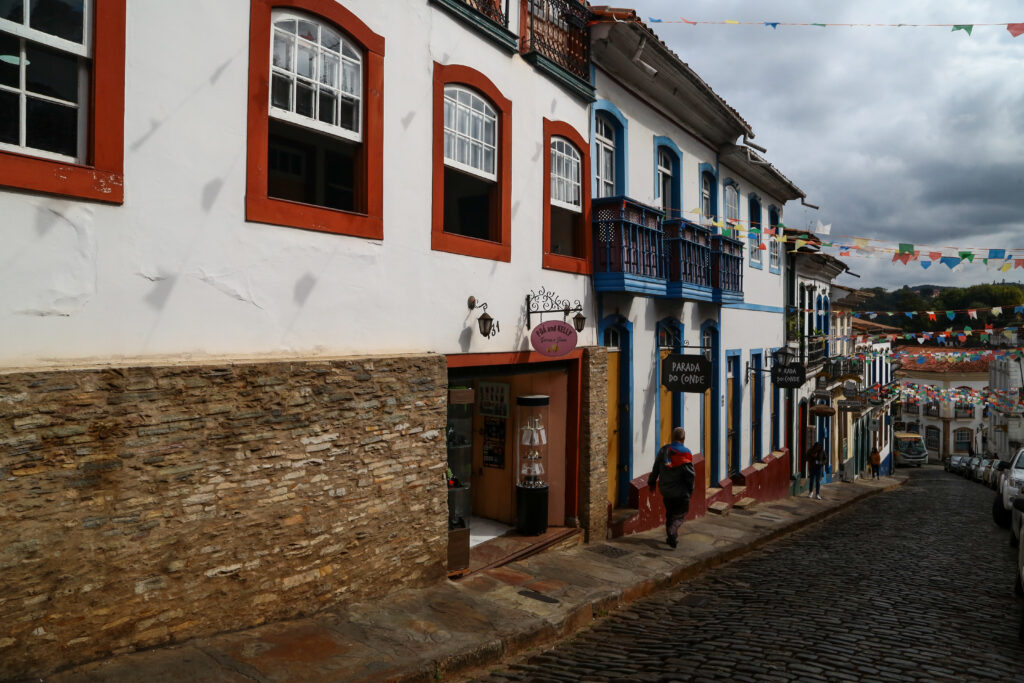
(673, 467)
(876, 464)
(815, 460)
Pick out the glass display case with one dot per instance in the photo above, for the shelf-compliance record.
(459, 439)
(531, 464)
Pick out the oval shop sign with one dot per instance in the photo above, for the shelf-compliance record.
(553, 338)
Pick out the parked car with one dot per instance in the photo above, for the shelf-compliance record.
(979, 468)
(1009, 483)
(988, 472)
(953, 463)
(909, 449)
(969, 466)
(1015, 521)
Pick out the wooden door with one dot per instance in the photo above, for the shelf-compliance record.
(614, 359)
(732, 423)
(493, 486)
(706, 445)
(665, 401)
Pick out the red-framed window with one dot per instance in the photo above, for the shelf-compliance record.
(62, 98)
(316, 119)
(472, 165)
(568, 238)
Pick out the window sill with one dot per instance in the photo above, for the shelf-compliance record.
(571, 82)
(567, 264)
(756, 265)
(262, 209)
(491, 30)
(470, 246)
(61, 178)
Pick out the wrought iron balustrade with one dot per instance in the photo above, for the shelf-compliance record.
(688, 249)
(492, 9)
(911, 409)
(931, 410)
(816, 351)
(558, 30)
(961, 413)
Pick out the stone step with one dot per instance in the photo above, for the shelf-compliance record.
(711, 492)
(719, 508)
(739, 491)
(745, 503)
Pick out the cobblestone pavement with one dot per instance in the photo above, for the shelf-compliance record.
(914, 584)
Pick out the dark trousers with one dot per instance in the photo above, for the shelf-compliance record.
(814, 480)
(675, 514)
(876, 471)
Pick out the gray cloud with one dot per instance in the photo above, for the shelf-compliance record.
(903, 134)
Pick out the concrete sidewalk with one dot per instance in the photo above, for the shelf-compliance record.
(436, 632)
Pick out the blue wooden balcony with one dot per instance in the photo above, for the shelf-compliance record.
(727, 269)
(688, 254)
(629, 247)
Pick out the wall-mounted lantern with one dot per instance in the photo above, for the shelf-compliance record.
(488, 326)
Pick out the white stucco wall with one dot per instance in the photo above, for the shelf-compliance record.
(757, 324)
(178, 272)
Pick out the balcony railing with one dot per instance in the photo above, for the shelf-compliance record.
(688, 252)
(492, 9)
(911, 409)
(839, 366)
(727, 267)
(964, 413)
(931, 410)
(816, 352)
(558, 30)
(629, 251)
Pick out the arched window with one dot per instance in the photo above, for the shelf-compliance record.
(732, 202)
(962, 440)
(470, 132)
(612, 338)
(932, 438)
(774, 246)
(566, 226)
(604, 137)
(754, 240)
(668, 337)
(315, 152)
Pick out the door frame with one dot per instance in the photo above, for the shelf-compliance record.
(625, 330)
(677, 328)
(713, 459)
(735, 406)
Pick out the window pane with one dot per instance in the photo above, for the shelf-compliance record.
(286, 25)
(462, 151)
(307, 30)
(284, 48)
(330, 39)
(62, 18)
(349, 114)
(304, 61)
(462, 121)
(303, 98)
(14, 10)
(51, 73)
(329, 69)
(476, 155)
(10, 60)
(328, 107)
(8, 117)
(50, 126)
(351, 79)
(489, 131)
(449, 115)
(449, 145)
(488, 160)
(281, 92)
(349, 51)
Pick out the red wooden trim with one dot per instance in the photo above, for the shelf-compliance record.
(263, 209)
(472, 360)
(459, 244)
(103, 178)
(568, 264)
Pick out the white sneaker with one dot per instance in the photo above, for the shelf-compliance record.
(818, 496)
(810, 494)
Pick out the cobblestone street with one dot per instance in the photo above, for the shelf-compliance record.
(915, 584)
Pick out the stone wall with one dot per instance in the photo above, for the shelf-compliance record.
(593, 484)
(145, 505)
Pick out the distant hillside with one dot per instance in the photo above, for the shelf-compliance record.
(940, 299)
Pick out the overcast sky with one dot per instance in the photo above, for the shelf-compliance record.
(904, 134)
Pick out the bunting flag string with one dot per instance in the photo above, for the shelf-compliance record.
(969, 313)
(1015, 29)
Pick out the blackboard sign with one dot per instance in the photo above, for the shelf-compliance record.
(788, 376)
(690, 374)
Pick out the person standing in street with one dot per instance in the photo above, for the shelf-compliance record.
(815, 460)
(673, 467)
(876, 464)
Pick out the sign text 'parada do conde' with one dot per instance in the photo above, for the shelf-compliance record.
(553, 338)
(689, 374)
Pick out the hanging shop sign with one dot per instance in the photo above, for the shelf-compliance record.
(553, 338)
(874, 424)
(688, 374)
(789, 376)
(850, 405)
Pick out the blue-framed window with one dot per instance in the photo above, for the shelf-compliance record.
(774, 246)
(754, 230)
(609, 150)
(732, 201)
(756, 406)
(708, 192)
(668, 176)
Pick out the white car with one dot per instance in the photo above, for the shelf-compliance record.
(1010, 481)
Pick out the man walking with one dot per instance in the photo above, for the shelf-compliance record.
(673, 466)
(815, 461)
